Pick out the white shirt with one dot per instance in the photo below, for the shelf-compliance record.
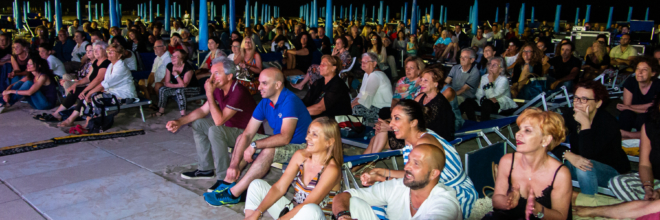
(376, 90)
(440, 204)
(78, 51)
(119, 81)
(72, 30)
(131, 62)
(499, 90)
(159, 67)
(56, 65)
(231, 57)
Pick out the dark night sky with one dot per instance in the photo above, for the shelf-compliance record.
(458, 10)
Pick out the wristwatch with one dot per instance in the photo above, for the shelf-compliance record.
(540, 214)
(253, 145)
(343, 213)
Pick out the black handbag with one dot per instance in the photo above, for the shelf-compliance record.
(100, 119)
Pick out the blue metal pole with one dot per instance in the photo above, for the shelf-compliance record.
(557, 18)
(364, 11)
(586, 17)
(506, 14)
(405, 14)
(328, 19)
(445, 15)
(167, 15)
(577, 14)
(532, 17)
(431, 15)
(232, 15)
(58, 15)
(629, 13)
(28, 7)
(521, 28)
(475, 17)
(89, 11)
(645, 18)
(96, 11)
(341, 12)
(609, 18)
(192, 12)
(387, 14)
(179, 15)
(373, 13)
(247, 13)
(470, 15)
(413, 18)
(224, 12)
(25, 11)
(102, 12)
(139, 11)
(203, 26)
(380, 14)
(50, 11)
(78, 16)
(350, 13)
(174, 10)
(497, 13)
(334, 11)
(256, 13)
(19, 20)
(151, 12)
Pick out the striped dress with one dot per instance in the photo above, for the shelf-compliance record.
(453, 175)
(302, 190)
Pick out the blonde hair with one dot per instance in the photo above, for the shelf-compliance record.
(551, 123)
(118, 49)
(601, 50)
(245, 51)
(334, 61)
(418, 61)
(330, 130)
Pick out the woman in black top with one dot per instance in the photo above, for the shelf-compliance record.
(439, 116)
(298, 61)
(330, 96)
(531, 173)
(595, 154)
(643, 185)
(179, 81)
(638, 94)
(136, 43)
(79, 89)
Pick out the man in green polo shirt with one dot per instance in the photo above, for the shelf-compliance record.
(622, 54)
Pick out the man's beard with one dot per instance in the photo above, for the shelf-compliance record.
(415, 185)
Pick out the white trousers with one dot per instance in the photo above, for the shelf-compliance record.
(257, 192)
(361, 210)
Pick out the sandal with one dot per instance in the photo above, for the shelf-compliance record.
(50, 118)
(39, 117)
(154, 107)
(157, 114)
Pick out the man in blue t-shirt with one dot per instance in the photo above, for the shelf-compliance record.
(288, 117)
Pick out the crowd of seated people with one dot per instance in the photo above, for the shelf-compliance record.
(418, 112)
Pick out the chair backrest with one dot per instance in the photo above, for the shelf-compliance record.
(478, 165)
(316, 57)
(147, 60)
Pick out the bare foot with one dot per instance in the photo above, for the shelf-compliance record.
(65, 123)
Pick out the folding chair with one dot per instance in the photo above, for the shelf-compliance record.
(479, 130)
(478, 165)
(341, 73)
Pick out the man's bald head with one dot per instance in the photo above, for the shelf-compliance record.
(433, 156)
(271, 82)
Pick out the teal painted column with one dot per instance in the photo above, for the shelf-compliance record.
(586, 17)
(497, 13)
(78, 15)
(475, 17)
(89, 11)
(521, 27)
(328, 19)
(58, 15)
(413, 18)
(380, 14)
(645, 18)
(557, 18)
(629, 13)
(577, 16)
(405, 14)
(203, 26)
(167, 15)
(609, 18)
(247, 13)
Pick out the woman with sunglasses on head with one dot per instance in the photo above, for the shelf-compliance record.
(595, 154)
(528, 66)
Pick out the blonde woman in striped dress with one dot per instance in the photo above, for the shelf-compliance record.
(408, 124)
(314, 173)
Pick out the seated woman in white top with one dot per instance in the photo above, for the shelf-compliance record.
(493, 92)
(128, 57)
(375, 92)
(118, 80)
(55, 64)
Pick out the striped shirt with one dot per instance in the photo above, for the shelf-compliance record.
(452, 175)
(302, 190)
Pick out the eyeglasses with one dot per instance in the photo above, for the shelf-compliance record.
(582, 100)
(494, 65)
(527, 51)
(374, 39)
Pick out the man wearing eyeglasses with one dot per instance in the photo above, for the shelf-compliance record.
(158, 70)
(464, 79)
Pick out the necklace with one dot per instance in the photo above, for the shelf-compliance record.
(411, 205)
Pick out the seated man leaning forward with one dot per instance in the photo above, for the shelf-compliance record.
(418, 195)
(288, 117)
(230, 114)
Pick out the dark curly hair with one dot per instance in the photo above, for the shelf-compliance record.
(415, 111)
(41, 66)
(599, 90)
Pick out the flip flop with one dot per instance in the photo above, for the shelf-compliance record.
(39, 117)
(49, 118)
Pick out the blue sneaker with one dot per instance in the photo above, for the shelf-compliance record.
(218, 198)
(220, 186)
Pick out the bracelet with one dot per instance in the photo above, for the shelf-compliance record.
(343, 213)
(16, 92)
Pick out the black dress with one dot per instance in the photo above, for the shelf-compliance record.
(335, 95)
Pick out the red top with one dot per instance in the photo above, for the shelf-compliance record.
(208, 62)
(171, 49)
